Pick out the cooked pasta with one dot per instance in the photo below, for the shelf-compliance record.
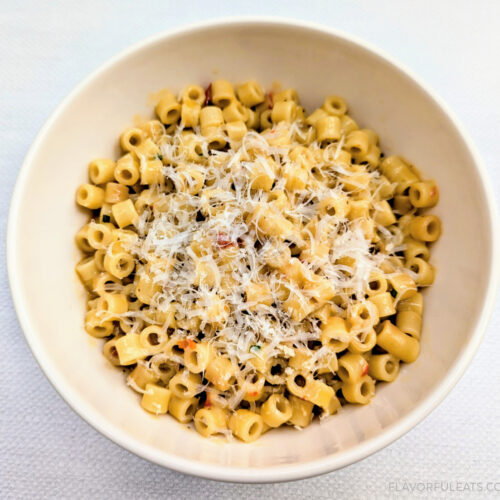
(253, 266)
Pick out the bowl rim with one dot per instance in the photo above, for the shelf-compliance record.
(251, 474)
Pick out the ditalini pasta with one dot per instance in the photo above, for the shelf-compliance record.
(253, 266)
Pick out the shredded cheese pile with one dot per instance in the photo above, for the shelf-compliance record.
(183, 228)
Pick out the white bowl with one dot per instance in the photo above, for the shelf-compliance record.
(317, 61)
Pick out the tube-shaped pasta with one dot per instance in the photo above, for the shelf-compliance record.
(385, 304)
(363, 342)
(141, 376)
(127, 170)
(363, 315)
(154, 339)
(352, 367)
(101, 170)
(148, 150)
(183, 409)
(110, 353)
(197, 357)
(190, 113)
(119, 265)
(328, 129)
(414, 303)
(335, 105)
(90, 196)
(284, 111)
(334, 334)
(402, 204)
(115, 193)
(168, 109)
(210, 117)
(424, 194)
(360, 392)
(146, 289)
(87, 271)
(397, 170)
(154, 130)
(253, 119)
(315, 116)
(97, 324)
(250, 93)
(221, 372)
(372, 135)
(265, 119)
(403, 285)
(162, 367)
(415, 248)
(193, 93)
(315, 391)
(347, 124)
(246, 425)
(100, 236)
(302, 412)
(155, 399)
(397, 343)
(222, 93)
(377, 284)
(125, 213)
(254, 387)
(383, 213)
(236, 130)
(276, 410)
(185, 384)
(151, 172)
(234, 112)
(425, 272)
(409, 322)
(425, 228)
(210, 421)
(82, 239)
(131, 139)
(130, 349)
(113, 304)
(357, 143)
(384, 367)
(105, 282)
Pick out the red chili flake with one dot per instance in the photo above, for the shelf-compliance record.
(365, 370)
(270, 99)
(224, 241)
(182, 344)
(208, 403)
(208, 95)
(253, 394)
(433, 192)
(191, 344)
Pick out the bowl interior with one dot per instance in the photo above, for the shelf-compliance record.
(50, 300)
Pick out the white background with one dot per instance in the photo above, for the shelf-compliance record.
(47, 47)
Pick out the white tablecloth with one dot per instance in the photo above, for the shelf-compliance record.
(46, 47)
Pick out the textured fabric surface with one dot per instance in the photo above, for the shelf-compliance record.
(46, 450)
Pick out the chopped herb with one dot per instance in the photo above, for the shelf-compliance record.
(106, 218)
(159, 157)
(255, 348)
(394, 293)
